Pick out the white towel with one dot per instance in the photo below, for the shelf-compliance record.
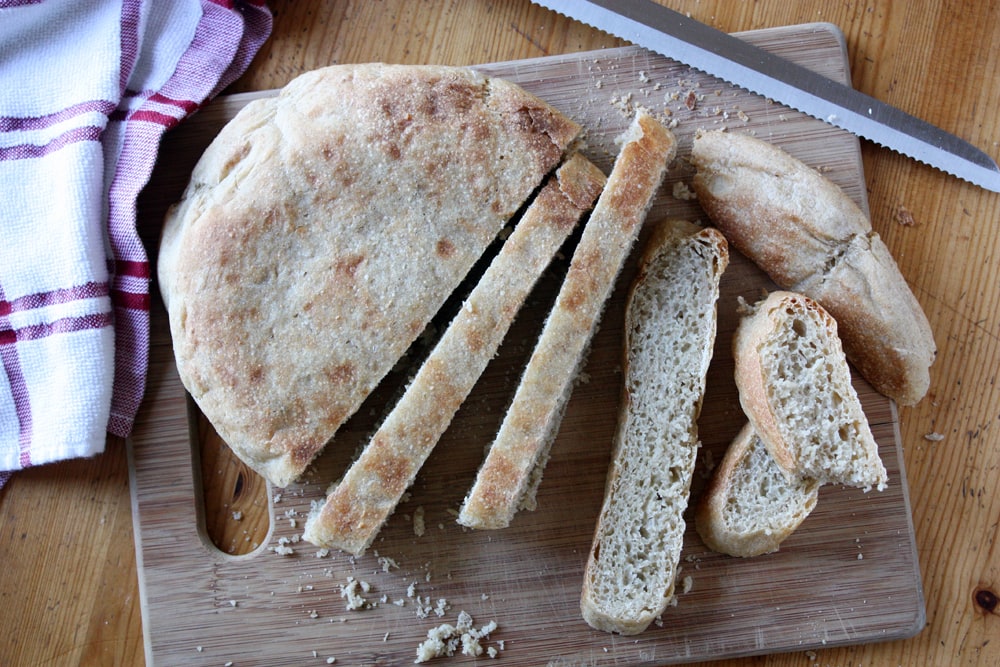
(89, 87)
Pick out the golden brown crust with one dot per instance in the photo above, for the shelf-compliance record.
(323, 228)
(372, 487)
(532, 421)
(810, 237)
(885, 333)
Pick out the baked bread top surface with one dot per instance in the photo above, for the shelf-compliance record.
(322, 230)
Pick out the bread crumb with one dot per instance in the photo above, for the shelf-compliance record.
(355, 599)
(442, 607)
(331, 660)
(282, 548)
(237, 516)
(934, 437)
(904, 217)
(682, 192)
(418, 522)
(687, 583)
(446, 639)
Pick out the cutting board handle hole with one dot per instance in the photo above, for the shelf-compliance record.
(231, 495)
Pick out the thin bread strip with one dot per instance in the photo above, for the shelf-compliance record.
(670, 330)
(357, 508)
(750, 505)
(532, 421)
(795, 388)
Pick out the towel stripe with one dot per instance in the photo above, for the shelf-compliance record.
(23, 124)
(18, 388)
(89, 290)
(31, 151)
(60, 326)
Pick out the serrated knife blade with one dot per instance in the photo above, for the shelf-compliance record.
(674, 35)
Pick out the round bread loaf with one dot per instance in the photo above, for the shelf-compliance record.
(322, 230)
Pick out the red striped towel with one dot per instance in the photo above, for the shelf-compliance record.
(89, 87)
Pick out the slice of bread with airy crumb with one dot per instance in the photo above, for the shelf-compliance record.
(512, 469)
(795, 387)
(669, 336)
(750, 505)
(355, 510)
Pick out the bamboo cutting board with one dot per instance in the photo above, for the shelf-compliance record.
(849, 575)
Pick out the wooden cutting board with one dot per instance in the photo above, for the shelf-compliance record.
(849, 575)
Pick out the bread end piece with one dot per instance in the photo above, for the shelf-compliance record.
(810, 237)
(750, 506)
(795, 387)
(884, 330)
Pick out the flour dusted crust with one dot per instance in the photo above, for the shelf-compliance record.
(361, 502)
(324, 227)
(513, 467)
(811, 238)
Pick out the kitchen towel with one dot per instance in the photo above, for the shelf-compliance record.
(88, 89)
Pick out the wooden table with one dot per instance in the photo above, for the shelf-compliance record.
(68, 585)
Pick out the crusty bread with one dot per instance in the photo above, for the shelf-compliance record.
(322, 230)
(513, 464)
(811, 238)
(358, 506)
(750, 505)
(795, 388)
(669, 337)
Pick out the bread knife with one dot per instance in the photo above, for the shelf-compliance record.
(674, 35)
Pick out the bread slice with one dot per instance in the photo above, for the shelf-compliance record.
(669, 337)
(372, 487)
(324, 227)
(811, 238)
(513, 464)
(795, 387)
(750, 505)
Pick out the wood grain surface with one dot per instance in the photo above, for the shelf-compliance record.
(69, 584)
(850, 575)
